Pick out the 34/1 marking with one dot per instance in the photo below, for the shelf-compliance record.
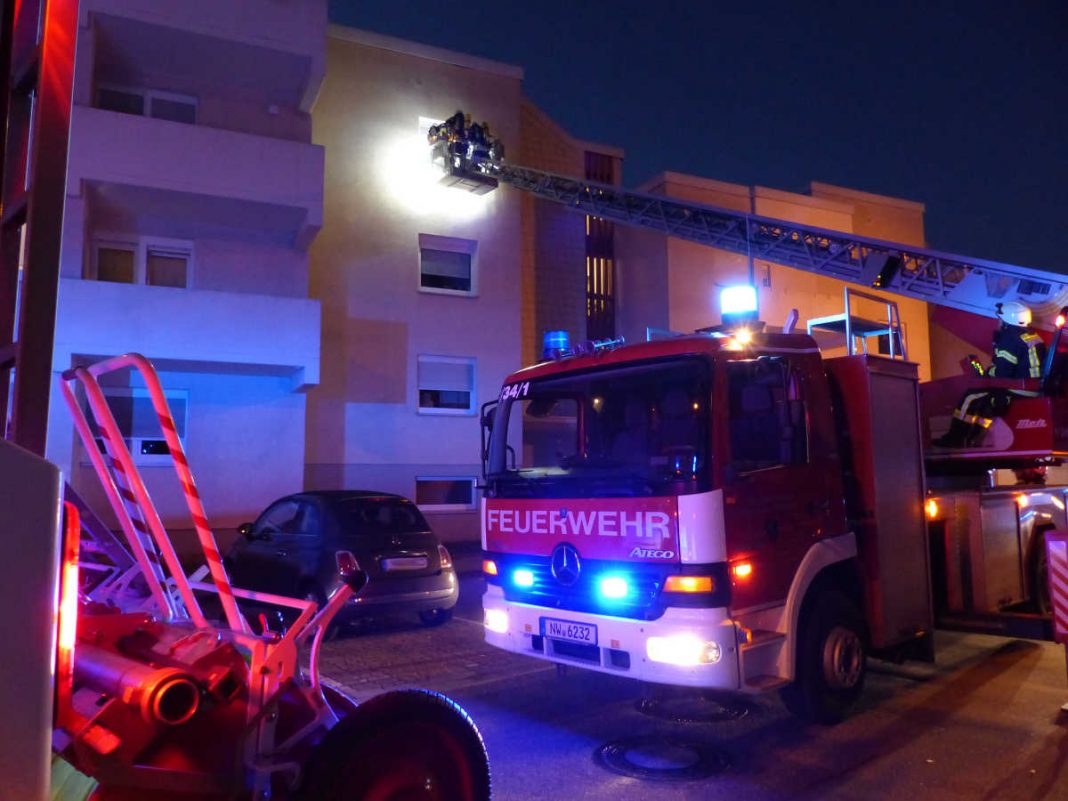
(520, 390)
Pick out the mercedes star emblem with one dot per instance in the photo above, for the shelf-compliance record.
(565, 564)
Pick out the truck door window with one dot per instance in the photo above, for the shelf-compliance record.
(768, 426)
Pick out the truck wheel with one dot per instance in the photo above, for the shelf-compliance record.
(830, 661)
(1040, 575)
(409, 745)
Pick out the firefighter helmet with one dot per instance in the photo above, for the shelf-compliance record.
(1014, 313)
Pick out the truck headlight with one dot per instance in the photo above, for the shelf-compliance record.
(682, 649)
(496, 620)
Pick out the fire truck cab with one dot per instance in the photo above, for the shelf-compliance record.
(729, 512)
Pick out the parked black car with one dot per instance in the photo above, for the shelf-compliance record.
(292, 548)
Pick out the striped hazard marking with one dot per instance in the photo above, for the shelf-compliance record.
(1057, 559)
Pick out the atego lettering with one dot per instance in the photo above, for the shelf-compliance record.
(562, 523)
(651, 553)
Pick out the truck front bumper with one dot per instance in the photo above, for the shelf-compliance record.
(691, 647)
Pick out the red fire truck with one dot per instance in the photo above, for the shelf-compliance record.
(735, 511)
(738, 511)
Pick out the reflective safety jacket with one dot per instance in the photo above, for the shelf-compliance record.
(1018, 353)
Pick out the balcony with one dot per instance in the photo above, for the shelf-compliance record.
(190, 330)
(263, 43)
(199, 176)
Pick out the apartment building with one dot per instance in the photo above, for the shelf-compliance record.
(430, 295)
(193, 194)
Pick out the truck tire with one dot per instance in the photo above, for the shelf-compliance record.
(409, 744)
(830, 660)
(1040, 574)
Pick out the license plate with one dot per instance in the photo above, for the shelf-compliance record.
(568, 630)
(405, 563)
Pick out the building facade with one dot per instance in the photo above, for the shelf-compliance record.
(193, 194)
(270, 232)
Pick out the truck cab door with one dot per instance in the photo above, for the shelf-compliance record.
(776, 501)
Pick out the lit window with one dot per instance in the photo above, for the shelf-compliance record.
(447, 264)
(445, 494)
(446, 385)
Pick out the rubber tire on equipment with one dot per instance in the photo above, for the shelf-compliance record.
(409, 745)
(434, 617)
(831, 657)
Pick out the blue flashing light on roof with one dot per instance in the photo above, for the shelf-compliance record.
(555, 344)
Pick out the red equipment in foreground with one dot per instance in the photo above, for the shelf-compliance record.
(154, 699)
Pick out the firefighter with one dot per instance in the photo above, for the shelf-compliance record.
(1018, 353)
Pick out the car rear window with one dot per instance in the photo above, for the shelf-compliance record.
(380, 516)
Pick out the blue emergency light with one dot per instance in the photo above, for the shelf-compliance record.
(738, 304)
(523, 578)
(613, 587)
(555, 344)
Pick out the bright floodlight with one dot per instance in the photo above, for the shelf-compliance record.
(741, 299)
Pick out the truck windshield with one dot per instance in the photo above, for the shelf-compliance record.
(637, 430)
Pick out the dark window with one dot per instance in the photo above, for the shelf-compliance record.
(166, 268)
(432, 492)
(379, 516)
(115, 264)
(174, 110)
(768, 427)
(445, 269)
(446, 383)
(123, 102)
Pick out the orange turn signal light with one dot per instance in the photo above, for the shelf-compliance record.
(932, 509)
(742, 570)
(489, 567)
(689, 584)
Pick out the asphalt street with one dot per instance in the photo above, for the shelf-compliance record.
(983, 722)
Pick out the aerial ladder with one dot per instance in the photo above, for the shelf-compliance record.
(945, 279)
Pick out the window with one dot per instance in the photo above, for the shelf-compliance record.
(138, 423)
(116, 263)
(447, 265)
(155, 262)
(148, 103)
(768, 425)
(445, 494)
(446, 385)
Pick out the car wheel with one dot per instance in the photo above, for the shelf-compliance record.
(830, 661)
(435, 617)
(411, 744)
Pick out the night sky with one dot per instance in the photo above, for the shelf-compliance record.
(966, 112)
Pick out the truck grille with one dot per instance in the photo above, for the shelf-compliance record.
(644, 583)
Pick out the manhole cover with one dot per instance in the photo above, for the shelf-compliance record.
(693, 707)
(661, 758)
